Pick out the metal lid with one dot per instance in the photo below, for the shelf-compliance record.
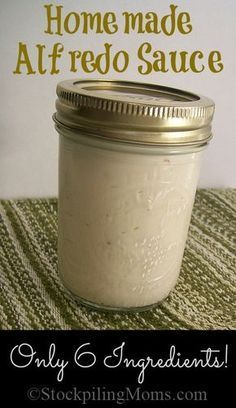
(134, 112)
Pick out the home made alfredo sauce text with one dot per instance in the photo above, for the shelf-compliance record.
(123, 221)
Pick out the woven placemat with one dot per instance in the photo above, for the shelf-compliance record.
(33, 297)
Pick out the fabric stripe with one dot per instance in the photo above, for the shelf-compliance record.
(30, 286)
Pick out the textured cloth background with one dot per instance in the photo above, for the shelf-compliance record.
(32, 296)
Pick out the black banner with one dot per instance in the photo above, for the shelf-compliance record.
(113, 368)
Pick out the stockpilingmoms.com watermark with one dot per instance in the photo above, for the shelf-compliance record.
(118, 396)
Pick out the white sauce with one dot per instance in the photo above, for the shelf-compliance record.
(123, 222)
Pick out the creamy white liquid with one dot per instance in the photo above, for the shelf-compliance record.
(123, 221)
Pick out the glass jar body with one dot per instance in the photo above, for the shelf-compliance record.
(124, 214)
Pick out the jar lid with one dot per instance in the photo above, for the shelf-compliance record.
(134, 112)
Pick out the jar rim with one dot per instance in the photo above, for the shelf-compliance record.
(134, 112)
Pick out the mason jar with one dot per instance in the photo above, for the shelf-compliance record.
(129, 161)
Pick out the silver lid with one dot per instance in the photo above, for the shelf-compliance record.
(134, 112)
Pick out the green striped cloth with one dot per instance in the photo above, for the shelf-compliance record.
(33, 297)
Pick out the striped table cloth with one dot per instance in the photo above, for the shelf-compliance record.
(33, 297)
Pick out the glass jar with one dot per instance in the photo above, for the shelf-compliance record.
(129, 163)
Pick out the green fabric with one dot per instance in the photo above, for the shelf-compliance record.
(33, 297)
